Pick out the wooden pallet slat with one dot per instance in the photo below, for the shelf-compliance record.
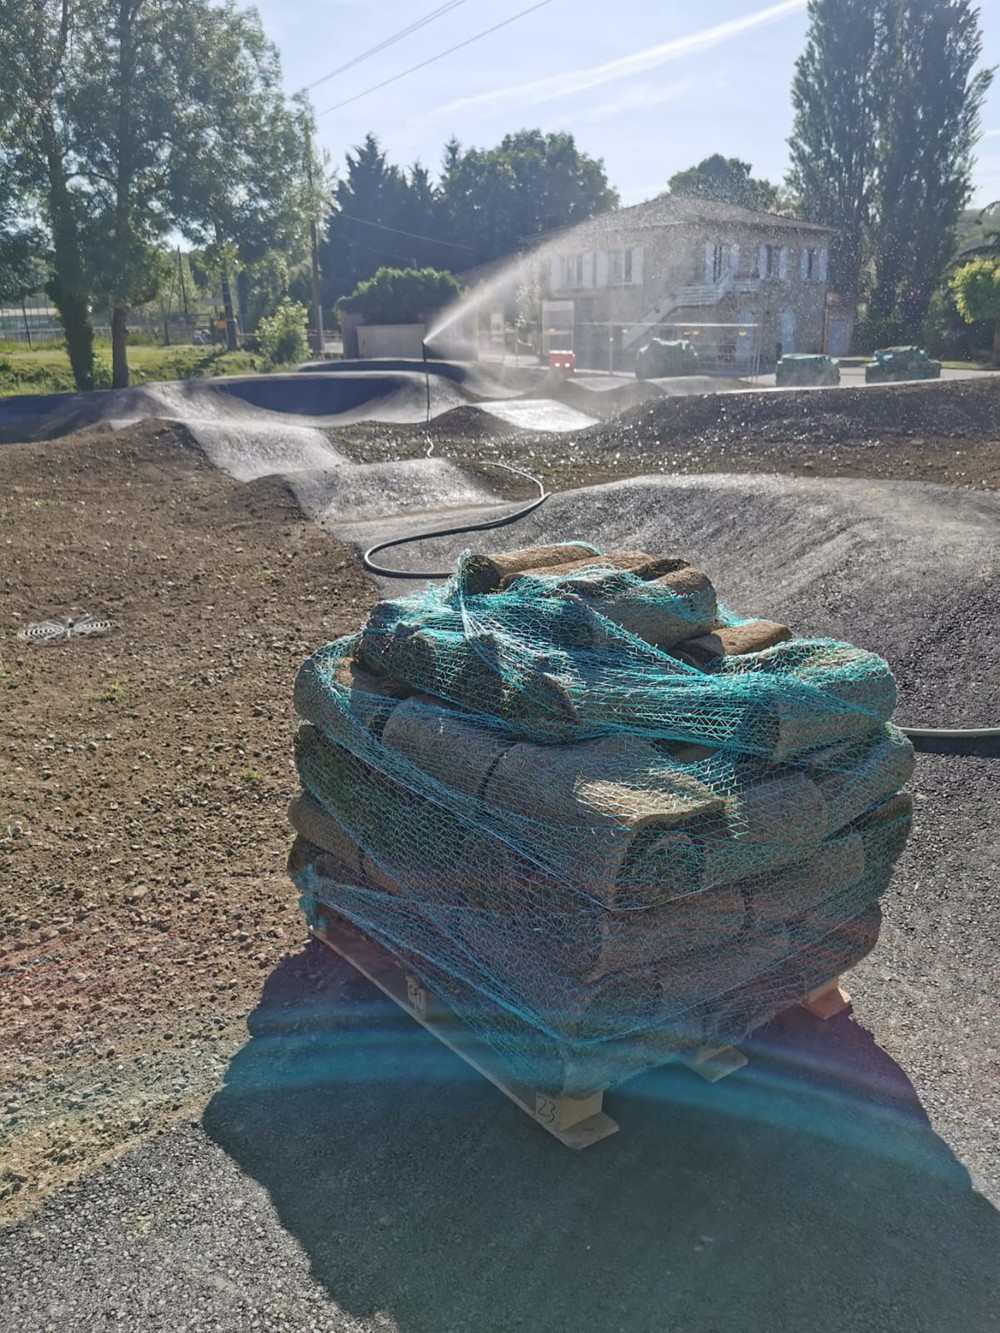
(713, 1063)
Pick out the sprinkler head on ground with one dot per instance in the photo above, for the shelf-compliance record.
(56, 629)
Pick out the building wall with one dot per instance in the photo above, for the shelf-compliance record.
(391, 340)
(695, 273)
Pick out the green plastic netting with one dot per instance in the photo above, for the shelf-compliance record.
(604, 818)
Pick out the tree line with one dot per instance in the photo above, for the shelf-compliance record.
(486, 205)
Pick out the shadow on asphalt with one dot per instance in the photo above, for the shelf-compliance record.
(807, 1191)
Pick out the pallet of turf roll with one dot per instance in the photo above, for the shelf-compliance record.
(580, 819)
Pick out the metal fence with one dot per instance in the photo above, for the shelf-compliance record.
(35, 321)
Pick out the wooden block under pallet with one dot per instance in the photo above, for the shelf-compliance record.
(827, 1001)
(576, 1122)
(713, 1063)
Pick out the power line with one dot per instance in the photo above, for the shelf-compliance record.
(389, 41)
(375, 250)
(440, 56)
(413, 235)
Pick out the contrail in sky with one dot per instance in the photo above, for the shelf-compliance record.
(582, 80)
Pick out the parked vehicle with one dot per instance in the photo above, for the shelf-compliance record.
(892, 364)
(660, 359)
(805, 370)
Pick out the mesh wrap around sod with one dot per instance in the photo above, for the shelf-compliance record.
(603, 818)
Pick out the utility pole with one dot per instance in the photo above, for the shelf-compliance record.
(314, 247)
(184, 298)
(317, 304)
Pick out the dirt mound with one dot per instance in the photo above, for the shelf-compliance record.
(603, 402)
(470, 423)
(941, 432)
(948, 409)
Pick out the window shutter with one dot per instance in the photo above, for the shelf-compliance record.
(734, 257)
(555, 272)
(637, 266)
(588, 269)
(762, 261)
(824, 263)
(602, 268)
(804, 263)
(783, 263)
(709, 260)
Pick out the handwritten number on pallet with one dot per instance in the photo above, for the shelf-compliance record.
(545, 1109)
(416, 996)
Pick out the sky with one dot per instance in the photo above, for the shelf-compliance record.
(650, 86)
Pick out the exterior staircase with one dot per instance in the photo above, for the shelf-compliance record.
(697, 296)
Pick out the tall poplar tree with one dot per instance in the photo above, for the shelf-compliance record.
(838, 95)
(930, 125)
(887, 100)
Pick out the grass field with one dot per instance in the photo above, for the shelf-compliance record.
(46, 369)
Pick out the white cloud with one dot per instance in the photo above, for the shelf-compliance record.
(582, 80)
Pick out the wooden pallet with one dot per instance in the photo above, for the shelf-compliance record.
(576, 1121)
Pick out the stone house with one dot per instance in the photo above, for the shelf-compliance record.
(746, 286)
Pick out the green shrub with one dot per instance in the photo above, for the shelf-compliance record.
(282, 336)
(401, 295)
(102, 372)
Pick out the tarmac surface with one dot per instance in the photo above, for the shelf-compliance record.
(351, 1174)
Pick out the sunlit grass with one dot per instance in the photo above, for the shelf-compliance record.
(46, 369)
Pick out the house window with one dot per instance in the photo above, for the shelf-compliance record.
(625, 267)
(621, 268)
(573, 265)
(718, 261)
(768, 261)
(810, 265)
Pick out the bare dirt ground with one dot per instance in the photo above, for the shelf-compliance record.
(144, 775)
(143, 780)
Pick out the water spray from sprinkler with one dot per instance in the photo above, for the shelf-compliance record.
(427, 380)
